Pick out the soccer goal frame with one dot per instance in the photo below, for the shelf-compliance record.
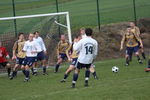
(44, 15)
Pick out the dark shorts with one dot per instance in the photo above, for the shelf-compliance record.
(80, 65)
(74, 61)
(19, 60)
(63, 56)
(3, 64)
(41, 56)
(29, 61)
(130, 50)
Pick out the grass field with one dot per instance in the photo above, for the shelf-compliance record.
(82, 13)
(130, 83)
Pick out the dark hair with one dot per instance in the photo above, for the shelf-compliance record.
(76, 36)
(36, 32)
(88, 31)
(20, 33)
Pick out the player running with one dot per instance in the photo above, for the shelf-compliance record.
(131, 40)
(18, 54)
(63, 45)
(41, 56)
(136, 31)
(88, 48)
(73, 58)
(32, 49)
(92, 68)
(3, 59)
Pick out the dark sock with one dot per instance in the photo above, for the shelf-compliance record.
(65, 76)
(149, 63)
(24, 72)
(94, 74)
(14, 73)
(27, 73)
(143, 55)
(57, 67)
(87, 74)
(32, 69)
(8, 71)
(75, 77)
(127, 60)
(130, 57)
(44, 69)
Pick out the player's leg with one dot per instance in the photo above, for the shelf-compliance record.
(60, 59)
(128, 52)
(14, 73)
(27, 73)
(34, 68)
(44, 65)
(136, 51)
(87, 74)
(68, 71)
(93, 71)
(8, 67)
(23, 69)
(143, 53)
(148, 66)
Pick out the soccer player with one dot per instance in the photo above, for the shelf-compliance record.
(136, 31)
(73, 58)
(148, 67)
(41, 56)
(18, 54)
(63, 45)
(87, 48)
(131, 40)
(92, 68)
(3, 59)
(32, 49)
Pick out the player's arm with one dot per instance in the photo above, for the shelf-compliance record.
(139, 39)
(67, 52)
(24, 47)
(37, 48)
(96, 50)
(58, 48)
(14, 50)
(77, 46)
(43, 44)
(122, 42)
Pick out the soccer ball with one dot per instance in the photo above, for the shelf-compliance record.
(115, 69)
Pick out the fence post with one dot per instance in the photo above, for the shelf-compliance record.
(57, 9)
(134, 8)
(98, 15)
(14, 14)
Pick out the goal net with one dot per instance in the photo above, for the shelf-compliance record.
(50, 26)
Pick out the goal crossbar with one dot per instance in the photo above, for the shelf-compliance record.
(43, 15)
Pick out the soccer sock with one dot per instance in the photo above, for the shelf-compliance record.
(8, 71)
(14, 73)
(87, 75)
(143, 55)
(44, 69)
(127, 60)
(94, 74)
(24, 72)
(32, 69)
(130, 57)
(138, 57)
(56, 68)
(27, 73)
(65, 76)
(75, 78)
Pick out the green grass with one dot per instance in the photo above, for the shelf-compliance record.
(130, 83)
(82, 13)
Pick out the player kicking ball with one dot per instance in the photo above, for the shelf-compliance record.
(72, 58)
(3, 59)
(88, 48)
(18, 54)
(41, 56)
(31, 48)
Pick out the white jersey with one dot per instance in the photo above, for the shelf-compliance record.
(84, 36)
(40, 41)
(31, 46)
(88, 48)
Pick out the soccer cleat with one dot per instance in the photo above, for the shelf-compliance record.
(140, 62)
(35, 74)
(126, 64)
(147, 69)
(26, 80)
(96, 78)
(10, 77)
(86, 84)
(63, 80)
(73, 85)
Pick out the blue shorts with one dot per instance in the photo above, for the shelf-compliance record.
(41, 56)
(80, 65)
(63, 56)
(19, 60)
(29, 61)
(74, 61)
(130, 50)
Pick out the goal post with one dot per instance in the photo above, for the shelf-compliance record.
(46, 15)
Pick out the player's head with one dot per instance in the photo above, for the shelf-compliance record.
(62, 37)
(132, 24)
(82, 31)
(31, 36)
(21, 36)
(36, 34)
(77, 38)
(88, 31)
(129, 30)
